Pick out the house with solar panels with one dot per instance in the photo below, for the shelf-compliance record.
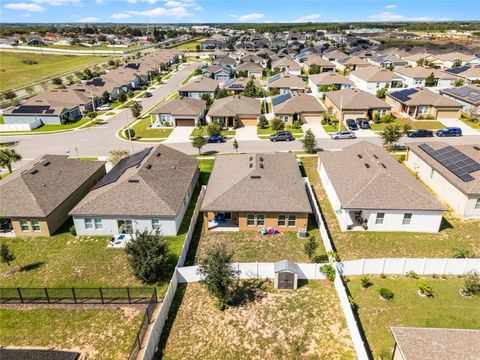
(292, 107)
(286, 83)
(452, 171)
(237, 86)
(468, 73)
(468, 96)
(149, 190)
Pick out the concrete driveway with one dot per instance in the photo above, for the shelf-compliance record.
(246, 133)
(180, 134)
(317, 130)
(466, 130)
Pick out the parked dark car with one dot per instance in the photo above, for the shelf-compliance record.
(147, 95)
(215, 139)
(351, 124)
(450, 131)
(420, 133)
(282, 136)
(363, 123)
(343, 135)
(399, 147)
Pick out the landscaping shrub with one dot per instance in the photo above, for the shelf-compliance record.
(366, 283)
(310, 248)
(329, 271)
(262, 122)
(462, 253)
(129, 133)
(425, 289)
(333, 256)
(472, 284)
(309, 142)
(29, 62)
(297, 124)
(277, 124)
(385, 294)
(411, 274)
(214, 128)
(72, 230)
(6, 255)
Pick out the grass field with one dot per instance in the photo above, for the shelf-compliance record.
(269, 130)
(303, 324)
(418, 124)
(14, 73)
(446, 309)
(98, 333)
(142, 130)
(474, 125)
(100, 47)
(455, 233)
(190, 46)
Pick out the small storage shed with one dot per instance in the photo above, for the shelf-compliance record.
(286, 275)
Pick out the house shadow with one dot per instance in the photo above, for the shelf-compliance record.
(31, 266)
(445, 224)
(248, 291)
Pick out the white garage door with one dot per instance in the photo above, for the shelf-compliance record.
(312, 119)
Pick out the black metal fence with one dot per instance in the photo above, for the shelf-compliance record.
(142, 331)
(78, 295)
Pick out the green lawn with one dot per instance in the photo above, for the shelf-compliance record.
(190, 46)
(330, 128)
(455, 233)
(306, 323)
(100, 47)
(418, 124)
(142, 130)
(446, 309)
(203, 131)
(474, 125)
(14, 73)
(269, 130)
(106, 333)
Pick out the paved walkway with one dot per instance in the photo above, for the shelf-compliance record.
(466, 130)
(180, 134)
(246, 133)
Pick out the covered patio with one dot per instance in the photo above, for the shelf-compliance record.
(222, 221)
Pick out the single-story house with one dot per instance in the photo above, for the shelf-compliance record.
(435, 343)
(324, 65)
(182, 111)
(237, 85)
(333, 55)
(217, 54)
(211, 44)
(417, 76)
(286, 64)
(252, 69)
(371, 79)
(468, 96)
(149, 190)
(35, 200)
(225, 61)
(414, 59)
(254, 192)
(387, 61)
(198, 87)
(255, 59)
(329, 81)
(468, 73)
(292, 107)
(350, 63)
(355, 103)
(235, 111)
(447, 60)
(218, 72)
(286, 83)
(378, 194)
(452, 171)
(420, 103)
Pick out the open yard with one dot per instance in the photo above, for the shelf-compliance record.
(305, 323)
(474, 125)
(418, 124)
(143, 130)
(455, 233)
(269, 130)
(97, 333)
(15, 73)
(445, 309)
(190, 46)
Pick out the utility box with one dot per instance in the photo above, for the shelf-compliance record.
(286, 275)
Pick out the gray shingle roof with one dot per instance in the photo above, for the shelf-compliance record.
(287, 81)
(384, 184)
(156, 187)
(201, 83)
(181, 106)
(329, 78)
(42, 185)
(421, 96)
(298, 104)
(235, 105)
(273, 183)
(355, 99)
(286, 265)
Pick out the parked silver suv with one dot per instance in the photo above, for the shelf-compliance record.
(343, 135)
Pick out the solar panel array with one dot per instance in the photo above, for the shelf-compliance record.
(280, 99)
(403, 95)
(228, 82)
(236, 86)
(274, 78)
(458, 70)
(454, 160)
(466, 92)
(122, 166)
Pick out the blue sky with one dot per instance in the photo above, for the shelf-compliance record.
(194, 11)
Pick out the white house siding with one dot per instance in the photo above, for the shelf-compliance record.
(27, 119)
(466, 106)
(457, 200)
(368, 86)
(410, 82)
(198, 94)
(317, 93)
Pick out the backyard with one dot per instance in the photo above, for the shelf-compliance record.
(472, 124)
(102, 332)
(190, 46)
(455, 233)
(15, 73)
(268, 324)
(445, 309)
(143, 130)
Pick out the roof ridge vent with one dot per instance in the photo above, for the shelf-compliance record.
(46, 163)
(133, 180)
(148, 166)
(255, 177)
(360, 156)
(34, 171)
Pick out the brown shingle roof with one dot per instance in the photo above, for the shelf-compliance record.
(372, 73)
(329, 78)
(355, 99)
(383, 184)
(288, 81)
(181, 106)
(41, 186)
(273, 183)
(318, 60)
(285, 61)
(437, 344)
(249, 66)
(424, 97)
(423, 72)
(298, 104)
(156, 187)
(235, 105)
(201, 83)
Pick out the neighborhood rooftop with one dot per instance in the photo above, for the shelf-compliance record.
(234, 105)
(421, 96)
(180, 106)
(354, 99)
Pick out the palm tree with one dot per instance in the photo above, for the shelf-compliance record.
(7, 157)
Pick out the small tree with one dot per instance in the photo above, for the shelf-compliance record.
(235, 145)
(382, 93)
(57, 81)
(116, 156)
(9, 95)
(122, 97)
(277, 124)
(459, 82)
(136, 109)
(148, 254)
(457, 63)
(310, 247)
(199, 142)
(218, 274)
(208, 99)
(105, 97)
(390, 134)
(6, 256)
(472, 284)
(366, 283)
(309, 142)
(314, 69)
(129, 133)
(385, 294)
(329, 272)
(91, 114)
(262, 122)
(251, 89)
(430, 80)
(8, 157)
(221, 93)
(130, 94)
(214, 128)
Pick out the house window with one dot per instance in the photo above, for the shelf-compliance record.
(282, 220)
(292, 220)
(432, 172)
(407, 219)
(422, 110)
(382, 112)
(250, 220)
(417, 81)
(260, 220)
(165, 118)
(380, 218)
(284, 118)
(88, 223)
(24, 225)
(98, 224)
(35, 225)
(377, 85)
(477, 204)
(156, 224)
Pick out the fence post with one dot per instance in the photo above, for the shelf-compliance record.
(74, 296)
(101, 295)
(383, 266)
(403, 265)
(465, 267)
(445, 266)
(424, 265)
(128, 294)
(363, 265)
(155, 295)
(46, 294)
(20, 295)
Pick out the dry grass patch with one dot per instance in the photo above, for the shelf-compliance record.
(306, 323)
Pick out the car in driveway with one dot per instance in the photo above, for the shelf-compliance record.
(363, 123)
(351, 124)
(420, 133)
(215, 139)
(343, 135)
(147, 94)
(282, 136)
(450, 131)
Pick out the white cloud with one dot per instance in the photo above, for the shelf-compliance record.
(173, 3)
(248, 17)
(391, 6)
(176, 12)
(25, 7)
(90, 19)
(387, 16)
(308, 18)
(120, 16)
(57, 2)
(198, 8)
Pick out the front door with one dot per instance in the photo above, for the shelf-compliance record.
(286, 280)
